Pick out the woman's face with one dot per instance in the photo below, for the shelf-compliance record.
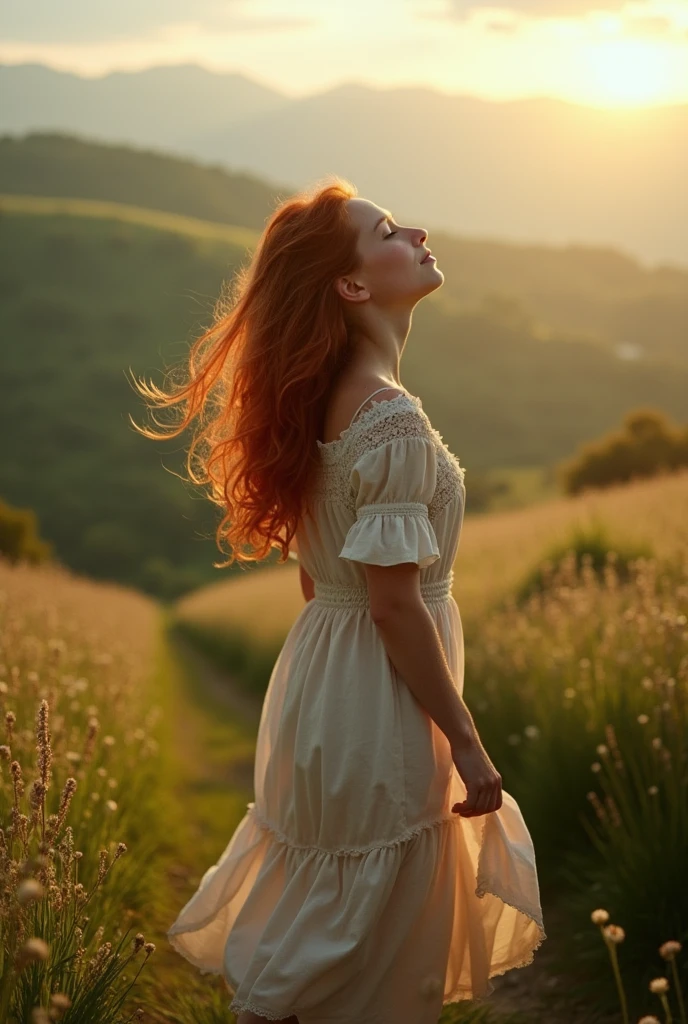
(391, 273)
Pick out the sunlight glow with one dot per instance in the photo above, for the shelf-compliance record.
(626, 72)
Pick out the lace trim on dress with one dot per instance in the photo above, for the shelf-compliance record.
(350, 851)
(398, 417)
(327, 446)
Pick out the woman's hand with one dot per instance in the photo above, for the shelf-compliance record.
(482, 780)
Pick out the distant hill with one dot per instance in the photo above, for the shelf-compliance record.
(634, 312)
(54, 164)
(90, 290)
(161, 107)
(540, 171)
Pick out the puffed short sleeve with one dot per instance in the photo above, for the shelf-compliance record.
(393, 484)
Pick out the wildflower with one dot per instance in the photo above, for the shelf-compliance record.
(596, 766)
(39, 1016)
(656, 742)
(614, 933)
(109, 741)
(602, 749)
(29, 889)
(33, 950)
(111, 805)
(669, 949)
(659, 985)
(643, 719)
(599, 916)
(649, 1019)
(647, 683)
(513, 738)
(60, 1001)
(652, 790)
(569, 693)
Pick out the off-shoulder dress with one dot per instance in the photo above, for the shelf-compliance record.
(350, 893)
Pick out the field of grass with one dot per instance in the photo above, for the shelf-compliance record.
(143, 784)
(146, 752)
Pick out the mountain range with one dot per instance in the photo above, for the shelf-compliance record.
(535, 171)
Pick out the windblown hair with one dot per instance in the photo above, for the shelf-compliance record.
(258, 380)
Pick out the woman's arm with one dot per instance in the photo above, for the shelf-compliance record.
(307, 585)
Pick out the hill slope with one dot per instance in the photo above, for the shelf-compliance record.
(88, 294)
(633, 311)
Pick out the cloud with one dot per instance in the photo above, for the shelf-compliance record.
(458, 10)
(93, 21)
(653, 28)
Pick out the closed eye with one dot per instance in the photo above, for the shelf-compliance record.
(390, 234)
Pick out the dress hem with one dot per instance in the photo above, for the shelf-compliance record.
(483, 888)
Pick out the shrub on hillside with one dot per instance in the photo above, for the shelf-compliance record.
(646, 445)
(592, 544)
(19, 537)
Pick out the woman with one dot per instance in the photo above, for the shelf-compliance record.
(381, 871)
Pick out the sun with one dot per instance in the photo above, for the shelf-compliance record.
(625, 72)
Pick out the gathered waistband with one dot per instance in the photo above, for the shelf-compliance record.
(354, 594)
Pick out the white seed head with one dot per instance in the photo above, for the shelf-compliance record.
(30, 889)
(614, 933)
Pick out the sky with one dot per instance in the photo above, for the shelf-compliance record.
(604, 53)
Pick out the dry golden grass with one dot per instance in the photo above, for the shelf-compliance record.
(496, 550)
(74, 654)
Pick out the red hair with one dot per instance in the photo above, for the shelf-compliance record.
(259, 378)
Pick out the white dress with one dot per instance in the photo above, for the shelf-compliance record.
(350, 893)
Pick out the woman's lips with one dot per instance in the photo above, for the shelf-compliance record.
(428, 257)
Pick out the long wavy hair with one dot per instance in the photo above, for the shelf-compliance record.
(258, 380)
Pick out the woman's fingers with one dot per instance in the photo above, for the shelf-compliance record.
(480, 800)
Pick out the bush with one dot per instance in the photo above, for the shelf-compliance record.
(647, 445)
(591, 543)
(19, 535)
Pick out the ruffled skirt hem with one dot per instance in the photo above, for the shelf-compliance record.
(245, 927)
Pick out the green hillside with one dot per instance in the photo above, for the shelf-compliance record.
(91, 289)
(597, 293)
(57, 164)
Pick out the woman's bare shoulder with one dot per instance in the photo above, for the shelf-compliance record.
(350, 399)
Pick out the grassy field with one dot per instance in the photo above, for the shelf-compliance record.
(158, 746)
(579, 690)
